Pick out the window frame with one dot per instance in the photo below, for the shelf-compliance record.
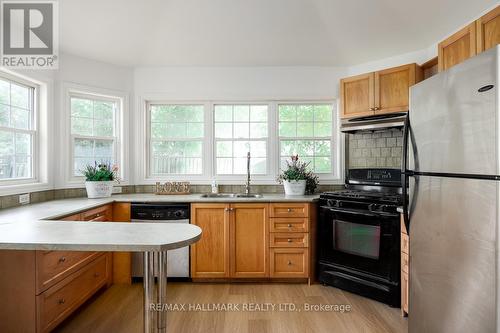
(34, 131)
(209, 161)
(148, 139)
(334, 140)
(117, 135)
(214, 140)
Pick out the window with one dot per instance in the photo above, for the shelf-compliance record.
(94, 130)
(306, 130)
(176, 139)
(17, 130)
(240, 129)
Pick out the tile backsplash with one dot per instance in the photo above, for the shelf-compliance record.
(376, 149)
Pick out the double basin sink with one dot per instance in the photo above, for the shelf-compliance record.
(231, 195)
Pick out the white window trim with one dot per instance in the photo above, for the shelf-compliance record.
(269, 175)
(121, 147)
(147, 140)
(142, 142)
(336, 141)
(42, 137)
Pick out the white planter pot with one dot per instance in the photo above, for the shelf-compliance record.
(295, 187)
(99, 189)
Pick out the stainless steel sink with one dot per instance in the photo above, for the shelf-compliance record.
(249, 195)
(231, 195)
(218, 195)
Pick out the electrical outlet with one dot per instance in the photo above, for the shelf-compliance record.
(117, 189)
(24, 199)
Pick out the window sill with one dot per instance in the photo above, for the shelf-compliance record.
(12, 189)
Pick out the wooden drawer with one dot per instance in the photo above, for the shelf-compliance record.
(53, 266)
(56, 303)
(74, 217)
(290, 224)
(289, 262)
(289, 210)
(103, 213)
(404, 293)
(405, 262)
(288, 239)
(405, 244)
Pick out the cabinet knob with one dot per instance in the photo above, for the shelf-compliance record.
(289, 240)
(372, 109)
(62, 259)
(289, 263)
(61, 301)
(231, 209)
(289, 210)
(226, 209)
(289, 225)
(376, 108)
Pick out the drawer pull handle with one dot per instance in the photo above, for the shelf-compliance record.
(62, 301)
(289, 225)
(289, 263)
(289, 210)
(289, 240)
(62, 259)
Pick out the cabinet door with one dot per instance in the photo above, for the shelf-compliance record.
(457, 48)
(210, 255)
(488, 30)
(249, 227)
(392, 88)
(357, 96)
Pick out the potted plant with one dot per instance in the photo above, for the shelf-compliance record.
(297, 179)
(99, 179)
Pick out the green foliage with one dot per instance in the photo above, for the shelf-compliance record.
(100, 172)
(299, 171)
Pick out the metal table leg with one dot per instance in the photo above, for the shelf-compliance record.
(162, 291)
(149, 288)
(155, 321)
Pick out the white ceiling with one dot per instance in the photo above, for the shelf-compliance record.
(257, 32)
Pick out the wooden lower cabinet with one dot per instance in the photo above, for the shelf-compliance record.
(290, 262)
(249, 240)
(405, 268)
(39, 289)
(246, 240)
(58, 302)
(210, 255)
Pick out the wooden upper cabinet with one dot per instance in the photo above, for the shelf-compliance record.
(457, 48)
(380, 92)
(392, 88)
(357, 96)
(249, 240)
(488, 30)
(210, 255)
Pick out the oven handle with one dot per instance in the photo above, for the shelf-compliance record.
(336, 210)
(372, 214)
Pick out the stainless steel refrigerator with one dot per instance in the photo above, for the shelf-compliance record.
(452, 165)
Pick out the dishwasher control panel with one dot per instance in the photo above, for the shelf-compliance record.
(147, 211)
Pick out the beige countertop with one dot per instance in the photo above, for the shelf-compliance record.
(21, 228)
(54, 209)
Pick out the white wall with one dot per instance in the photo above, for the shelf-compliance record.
(216, 83)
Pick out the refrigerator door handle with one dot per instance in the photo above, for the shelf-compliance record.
(405, 173)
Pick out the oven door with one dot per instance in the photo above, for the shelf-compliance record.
(360, 240)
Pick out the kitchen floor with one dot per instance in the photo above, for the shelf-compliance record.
(119, 309)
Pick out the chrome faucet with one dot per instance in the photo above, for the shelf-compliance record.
(247, 184)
